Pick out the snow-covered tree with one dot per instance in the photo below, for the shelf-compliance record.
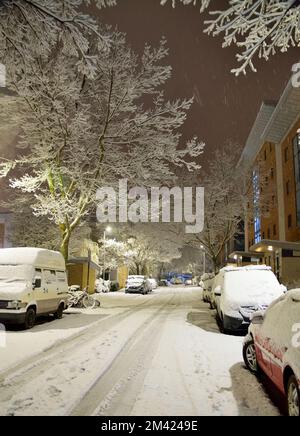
(143, 248)
(257, 27)
(46, 24)
(82, 133)
(223, 204)
(230, 199)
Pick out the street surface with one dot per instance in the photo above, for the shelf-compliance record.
(158, 354)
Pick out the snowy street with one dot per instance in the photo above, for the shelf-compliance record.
(158, 354)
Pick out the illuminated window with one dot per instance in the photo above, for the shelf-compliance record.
(256, 206)
(296, 144)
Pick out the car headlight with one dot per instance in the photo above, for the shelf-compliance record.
(15, 304)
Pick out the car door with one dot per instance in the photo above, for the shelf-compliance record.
(287, 338)
(49, 291)
(264, 339)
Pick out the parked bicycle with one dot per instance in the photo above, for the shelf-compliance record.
(80, 298)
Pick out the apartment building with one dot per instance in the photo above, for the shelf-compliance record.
(272, 151)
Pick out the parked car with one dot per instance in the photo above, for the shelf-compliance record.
(188, 282)
(273, 346)
(154, 284)
(33, 282)
(102, 285)
(206, 284)
(238, 292)
(164, 282)
(138, 284)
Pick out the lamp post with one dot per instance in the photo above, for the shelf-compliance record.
(108, 229)
(204, 257)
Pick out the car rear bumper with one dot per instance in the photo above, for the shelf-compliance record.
(235, 324)
(134, 290)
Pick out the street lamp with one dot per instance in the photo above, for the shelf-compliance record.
(204, 258)
(108, 229)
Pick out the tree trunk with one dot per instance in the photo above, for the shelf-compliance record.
(64, 247)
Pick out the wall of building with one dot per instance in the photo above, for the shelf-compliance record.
(293, 231)
(290, 270)
(83, 275)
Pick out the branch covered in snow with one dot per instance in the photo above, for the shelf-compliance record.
(81, 133)
(46, 24)
(259, 28)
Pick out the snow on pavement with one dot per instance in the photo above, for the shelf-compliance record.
(187, 369)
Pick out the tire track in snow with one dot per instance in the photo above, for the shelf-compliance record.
(19, 396)
(88, 333)
(126, 372)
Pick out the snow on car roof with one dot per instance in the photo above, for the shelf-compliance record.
(246, 268)
(32, 256)
(294, 294)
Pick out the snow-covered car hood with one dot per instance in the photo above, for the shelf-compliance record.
(13, 290)
(255, 302)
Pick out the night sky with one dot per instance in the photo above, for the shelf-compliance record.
(225, 106)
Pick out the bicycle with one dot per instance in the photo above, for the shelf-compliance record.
(80, 298)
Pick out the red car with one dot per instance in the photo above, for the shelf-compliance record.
(273, 346)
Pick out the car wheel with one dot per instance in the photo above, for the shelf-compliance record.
(30, 318)
(293, 397)
(249, 355)
(59, 313)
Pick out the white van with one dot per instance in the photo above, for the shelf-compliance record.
(239, 292)
(33, 281)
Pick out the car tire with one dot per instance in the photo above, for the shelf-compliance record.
(249, 356)
(59, 313)
(293, 397)
(30, 318)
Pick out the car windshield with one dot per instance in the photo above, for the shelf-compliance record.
(252, 283)
(15, 273)
(135, 278)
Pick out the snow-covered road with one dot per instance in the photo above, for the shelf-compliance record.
(159, 354)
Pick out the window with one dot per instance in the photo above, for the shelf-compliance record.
(265, 154)
(269, 233)
(272, 173)
(288, 187)
(61, 276)
(263, 235)
(256, 206)
(274, 230)
(290, 221)
(50, 276)
(296, 144)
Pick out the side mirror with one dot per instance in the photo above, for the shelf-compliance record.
(37, 283)
(257, 317)
(218, 291)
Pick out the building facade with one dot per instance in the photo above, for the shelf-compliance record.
(272, 153)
